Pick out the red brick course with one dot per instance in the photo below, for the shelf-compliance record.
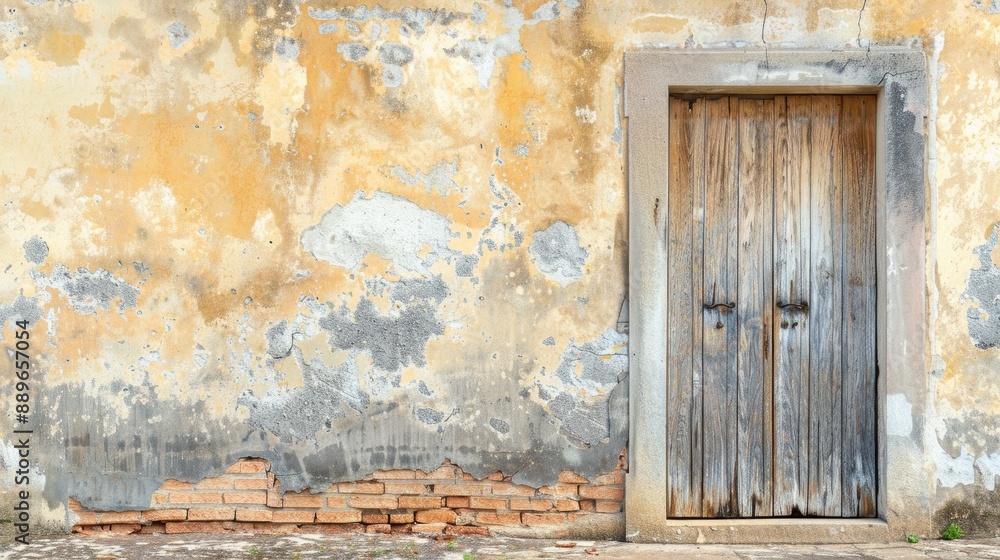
(248, 498)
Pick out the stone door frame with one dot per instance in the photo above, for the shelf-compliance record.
(899, 77)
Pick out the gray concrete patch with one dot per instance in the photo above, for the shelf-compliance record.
(352, 52)
(35, 250)
(415, 19)
(395, 53)
(287, 48)
(178, 34)
(983, 290)
(437, 178)
(557, 253)
(88, 291)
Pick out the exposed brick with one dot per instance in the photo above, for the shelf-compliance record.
(435, 516)
(573, 517)
(467, 530)
(493, 518)
(164, 515)
(87, 518)
(292, 516)
(215, 483)
(543, 518)
(158, 499)
(608, 506)
(482, 502)
(361, 487)
(276, 528)
(395, 474)
(382, 528)
(238, 527)
(251, 484)
(530, 504)
(497, 476)
(259, 498)
(508, 489)
(253, 515)
(570, 477)
(614, 477)
(370, 518)
(405, 488)
(126, 528)
(235, 468)
(273, 498)
(172, 484)
(109, 517)
(457, 501)
(87, 529)
(402, 528)
(429, 527)
(330, 529)
(567, 505)
(405, 517)
(560, 490)
(196, 497)
(603, 492)
(373, 502)
(211, 514)
(74, 505)
(419, 502)
(443, 472)
(448, 489)
(587, 505)
(255, 466)
(302, 500)
(194, 527)
(336, 502)
(338, 516)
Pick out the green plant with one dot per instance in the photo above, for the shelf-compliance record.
(452, 545)
(952, 532)
(913, 539)
(467, 556)
(254, 552)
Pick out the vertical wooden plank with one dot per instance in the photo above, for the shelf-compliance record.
(753, 488)
(687, 137)
(697, 310)
(791, 327)
(825, 308)
(859, 442)
(719, 342)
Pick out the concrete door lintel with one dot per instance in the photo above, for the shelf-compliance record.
(899, 77)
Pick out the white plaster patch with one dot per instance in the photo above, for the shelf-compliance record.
(898, 415)
(952, 471)
(389, 226)
(989, 467)
(586, 115)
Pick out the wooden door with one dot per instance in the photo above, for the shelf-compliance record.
(771, 373)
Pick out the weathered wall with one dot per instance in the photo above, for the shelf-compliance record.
(348, 238)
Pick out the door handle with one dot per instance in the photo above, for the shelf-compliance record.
(718, 305)
(803, 306)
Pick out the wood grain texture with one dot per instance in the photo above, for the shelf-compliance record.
(687, 132)
(719, 331)
(825, 310)
(752, 481)
(791, 327)
(859, 435)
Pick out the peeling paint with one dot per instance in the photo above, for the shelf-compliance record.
(439, 178)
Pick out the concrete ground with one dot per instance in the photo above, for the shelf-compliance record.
(396, 547)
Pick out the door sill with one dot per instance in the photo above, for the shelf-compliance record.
(777, 530)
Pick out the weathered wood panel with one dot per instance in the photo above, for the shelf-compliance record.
(687, 140)
(753, 307)
(859, 437)
(791, 332)
(720, 333)
(825, 309)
